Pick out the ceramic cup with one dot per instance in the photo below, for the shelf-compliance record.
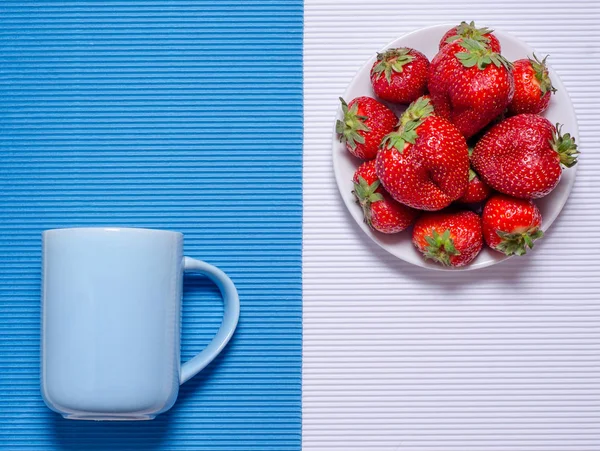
(111, 307)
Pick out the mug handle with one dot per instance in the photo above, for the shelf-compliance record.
(231, 315)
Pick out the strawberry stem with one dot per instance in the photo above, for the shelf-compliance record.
(470, 31)
(565, 146)
(410, 120)
(392, 60)
(517, 243)
(480, 55)
(440, 247)
(419, 109)
(348, 129)
(541, 74)
(366, 195)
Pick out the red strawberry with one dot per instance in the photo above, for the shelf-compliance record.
(470, 85)
(477, 191)
(366, 122)
(400, 75)
(452, 239)
(533, 86)
(522, 156)
(511, 225)
(425, 163)
(381, 212)
(470, 31)
(367, 171)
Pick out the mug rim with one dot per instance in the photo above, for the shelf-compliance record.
(138, 230)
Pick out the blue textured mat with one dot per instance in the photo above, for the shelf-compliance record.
(184, 115)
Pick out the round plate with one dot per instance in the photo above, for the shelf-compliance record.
(427, 40)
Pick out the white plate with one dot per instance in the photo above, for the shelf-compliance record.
(427, 40)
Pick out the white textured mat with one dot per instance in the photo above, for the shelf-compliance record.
(397, 358)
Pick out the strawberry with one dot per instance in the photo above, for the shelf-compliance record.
(470, 31)
(366, 122)
(425, 163)
(511, 225)
(367, 171)
(381, 212)
(452, 239)
(470, 84)
(477, 190)
(522, 156)
(400, 75)
(533, 86)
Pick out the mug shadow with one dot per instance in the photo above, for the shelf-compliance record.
(72, 435)
(199, 383)
(75, 435)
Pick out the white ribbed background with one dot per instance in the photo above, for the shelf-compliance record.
(397, 358)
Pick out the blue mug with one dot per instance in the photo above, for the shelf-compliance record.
(111, 308)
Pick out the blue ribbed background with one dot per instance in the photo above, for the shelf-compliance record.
(184, 115)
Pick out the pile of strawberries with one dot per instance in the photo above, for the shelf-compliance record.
(465, 159)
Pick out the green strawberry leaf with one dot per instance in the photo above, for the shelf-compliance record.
(472, 174)
(419, 109)
(440, 247)
(411, 119)
(480, 55)
(565, 146)
(348, 129)
(469, 30)
(392, 60)
(365, 196)
(541, 75)
(517, 243)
